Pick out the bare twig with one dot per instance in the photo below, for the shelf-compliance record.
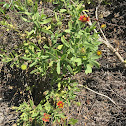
(97, 93)
(106, 42)
(115, 93)
(119, 26)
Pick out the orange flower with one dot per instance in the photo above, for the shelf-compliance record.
(60, 104)
(84, 18)
(103, 26)
(99, 52)
(46, 117)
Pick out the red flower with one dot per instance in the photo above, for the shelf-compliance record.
(60, 104)
(84, 18)
(46, 117)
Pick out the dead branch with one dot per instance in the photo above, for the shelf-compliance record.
(106, 42)
(98, 93)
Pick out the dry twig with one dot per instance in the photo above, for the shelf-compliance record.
(105, 41)
(98, 93)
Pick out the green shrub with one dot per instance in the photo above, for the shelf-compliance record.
(49, 49)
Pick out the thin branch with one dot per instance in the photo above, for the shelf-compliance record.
(119, 26)
(115, 93)
(106, 42)
(98, 93)
(118, 95)
(114, 50)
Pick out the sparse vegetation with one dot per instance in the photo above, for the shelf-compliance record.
(55, 48)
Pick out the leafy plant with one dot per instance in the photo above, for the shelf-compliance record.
(48, 49)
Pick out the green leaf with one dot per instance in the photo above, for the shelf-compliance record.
(20, 8)
(50, 64)
(35, 114)
(58, 67)
(1, 55)
(7, 60)
(59, 23)
(72, 121)
(2, 3)
(56, 16)
(34, 71)
(2, 11)
(60, 115)
(63, 10)
(39, 107)
(24, 19)
(33, 64)
(30, 33)
(44, 57)
(6, 5)
(67, 30)
(78, 60)
(47, 106)
(45, 47)
(59, 86)
(46, 31)
(27, 13)
(86, 10)
(46, 21)
(94, 57)
(60, 47)
(93, 26)
(31, 103)
(70, 24)
(43, 16)
(63, 57)
(64, 42)
(33, 44)
(79, 6)
(29, 2)
(70, 69)
(28, 88)
(52, 56)
(30, 50)
(95, 63)
(69, 87)
(26, 58)
(88, 69)
(37, 24)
